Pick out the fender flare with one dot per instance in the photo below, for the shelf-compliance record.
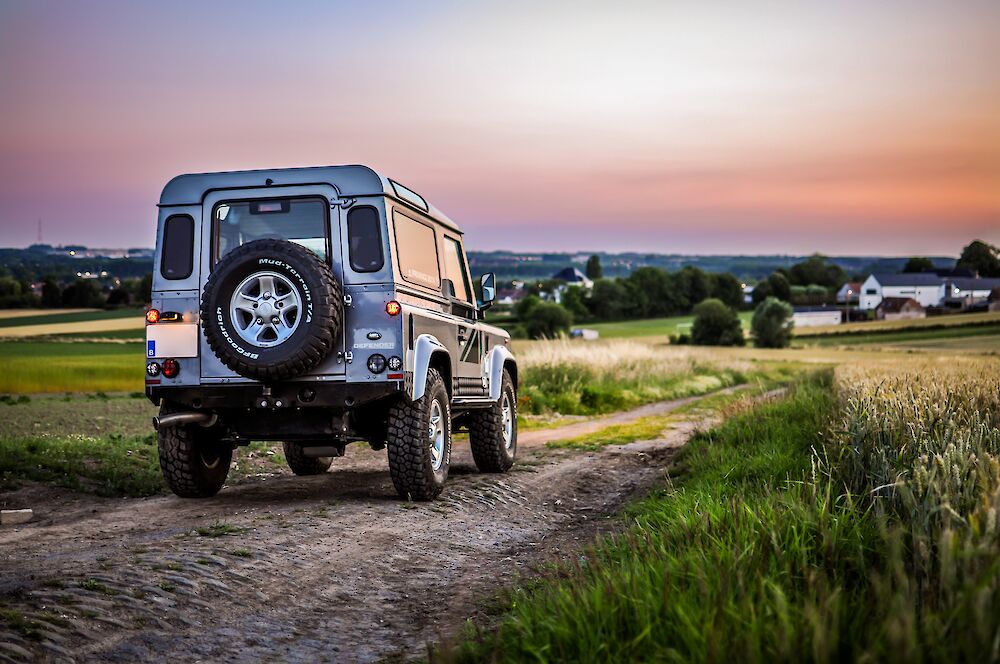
(424, 348)
(495, 362)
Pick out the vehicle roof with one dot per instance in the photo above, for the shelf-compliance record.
(351, 181)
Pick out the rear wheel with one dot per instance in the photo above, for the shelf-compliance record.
(194, 463)
(493, 431)
(419, 441)
(302, 464)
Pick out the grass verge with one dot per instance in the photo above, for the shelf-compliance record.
(39, 367)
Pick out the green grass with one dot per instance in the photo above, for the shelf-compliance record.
(28, 367)
(722, 564)
(644, 428)
(55, 318)
(651, 327)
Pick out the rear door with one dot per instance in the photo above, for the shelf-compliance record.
(299, 214)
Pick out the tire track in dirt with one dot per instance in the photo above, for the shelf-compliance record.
(326, 568)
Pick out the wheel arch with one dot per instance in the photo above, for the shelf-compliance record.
(429, 353)
(500, 358)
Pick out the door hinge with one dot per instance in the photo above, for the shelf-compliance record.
(349, 357)
(343, 203)
(348, 300)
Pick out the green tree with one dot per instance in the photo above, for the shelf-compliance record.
(547, 320)
(142, 289)
(727, 288)
(715, 324)
(524, 306)
(650, 292)
(594, 269)
(816, 270)
(693, 284)
(573, 299)
(776, 285)
(11, 294)
(918, 264)
(771, 325)
(51, 293)
(82, 293)
(608, 300)
(982, 258)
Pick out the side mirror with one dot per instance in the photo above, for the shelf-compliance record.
(489, 290)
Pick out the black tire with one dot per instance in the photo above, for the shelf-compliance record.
(194, 463)
(319, 318)
(409, 450)
(487, 432)
(303, 465)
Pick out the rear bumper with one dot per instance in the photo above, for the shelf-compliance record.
(338, 396)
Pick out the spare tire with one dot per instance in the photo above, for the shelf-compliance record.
(271, 310)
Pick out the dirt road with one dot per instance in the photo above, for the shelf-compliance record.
(328, 568)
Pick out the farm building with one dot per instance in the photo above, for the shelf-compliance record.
(968, 292)
(899, 308)
(849, 293)
(815, 316)
(573, 276)
(925, 287)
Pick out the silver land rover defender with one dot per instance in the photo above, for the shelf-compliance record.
(319, 307)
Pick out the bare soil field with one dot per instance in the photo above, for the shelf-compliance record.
(327, 568)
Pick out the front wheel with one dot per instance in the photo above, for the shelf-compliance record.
(493, 431)
(419, 441)
(194, 463)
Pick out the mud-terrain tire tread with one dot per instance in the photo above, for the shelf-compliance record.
(407, 445)
(486, 433)
(181, 462)
(301, 464)
(328, 312)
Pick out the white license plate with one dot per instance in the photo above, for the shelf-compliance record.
(172, 340)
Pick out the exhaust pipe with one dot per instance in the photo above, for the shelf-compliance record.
(178, 419)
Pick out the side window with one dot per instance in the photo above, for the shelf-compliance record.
(177, 257)
(364, 237)
(416, 248)
(454, 268)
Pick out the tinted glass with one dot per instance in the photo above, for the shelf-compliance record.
(364, 237)
(299, 220)
(454, 268)
(417, 251)
(177, 259)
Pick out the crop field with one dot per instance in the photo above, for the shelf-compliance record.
(45, 322)
(933, 322)
(31, 367)
(854, 520)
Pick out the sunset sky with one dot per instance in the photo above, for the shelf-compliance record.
(842, 127)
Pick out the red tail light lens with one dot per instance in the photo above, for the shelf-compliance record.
(170, 368)
(393, 308)
(153, 316)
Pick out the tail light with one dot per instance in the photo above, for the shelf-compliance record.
(153, 316)
(170, 368)
(393, 308)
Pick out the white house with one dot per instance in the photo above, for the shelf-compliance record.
(925, 287)
(967, 291)
(815, 316)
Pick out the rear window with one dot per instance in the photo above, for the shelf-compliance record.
(416, 248)
(177, 257)
(364, 238)
(299, 220)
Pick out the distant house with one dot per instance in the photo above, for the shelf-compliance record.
(510, 295)
(815, 316)
(573, 277)
(968, 292)
(925, 287)
(849, 293)
(899, 308)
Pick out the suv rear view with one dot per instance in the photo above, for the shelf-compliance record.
(319, 307)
